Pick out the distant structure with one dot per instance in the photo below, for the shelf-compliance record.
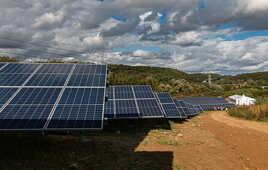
(264, 87)
(209, 79)
(242, 100)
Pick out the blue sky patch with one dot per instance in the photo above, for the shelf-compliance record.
(243, 35)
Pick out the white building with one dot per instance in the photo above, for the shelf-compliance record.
(242, 100)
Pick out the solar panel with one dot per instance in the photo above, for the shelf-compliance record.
(13, 79)
(207, 103)
(149, 108)
(55, 68)
(109, 109)
(109, 92)
(21, 117)
(36, 96)
(164, 98)
(126, 109)
(85, 96)
(29, 109)
(87, 80)
(48, 108)
(143, 92)
(127, 105)
(2, 64)
(16, 68)
(5, 94)
(169, 107)
(77, 117)
(47, 80)
(79, 108)
(123, 92)
(182, 107)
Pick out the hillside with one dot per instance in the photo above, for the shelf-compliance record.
(181, 84)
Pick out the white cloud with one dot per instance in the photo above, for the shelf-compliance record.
(141, 53)
(187, 39)
(48, 20)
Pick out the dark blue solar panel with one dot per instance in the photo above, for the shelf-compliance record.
(24, 116)
(123, 92)
(19, 68)
(171, 110)
(165, 98)
(5, 94)
(55, 68)
(109, 92)
(36, 96)
(1, 65)
(143, 92)
(13, 79)
(82, 96)
(205, 100)
(149, 108)
(77, 117)
(47, 80)
(90, 69)
(126, 109)
(87, 80)
(109, 109)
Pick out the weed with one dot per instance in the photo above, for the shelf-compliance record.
(172, 143)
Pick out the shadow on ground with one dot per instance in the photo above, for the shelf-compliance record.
(112, 148)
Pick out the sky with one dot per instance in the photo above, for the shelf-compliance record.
(225, 37)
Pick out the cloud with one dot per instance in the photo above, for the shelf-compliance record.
(141, 53)
(49, 20)
(187, 35)
(190, 38)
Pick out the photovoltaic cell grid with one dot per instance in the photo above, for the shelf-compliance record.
(169, 107)
(95, 75)
(5, 94)
(131, 102)
(51, 75)
(208, 103)
(31, 107)
(1, 65)
(181, 105)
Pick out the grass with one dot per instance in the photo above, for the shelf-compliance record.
(253, 112)
(171, 143)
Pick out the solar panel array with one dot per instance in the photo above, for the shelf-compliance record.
(169, 107)
(72, 97)
(51, 96)
(131, 102)
(208, 103)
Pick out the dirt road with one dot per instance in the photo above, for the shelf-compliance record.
(211, 140)
(215, 141)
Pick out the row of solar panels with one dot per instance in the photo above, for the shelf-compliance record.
(72, 97)
(14, 74)
(51, 96)
(140, 102)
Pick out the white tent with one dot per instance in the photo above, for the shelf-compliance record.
(242, 100)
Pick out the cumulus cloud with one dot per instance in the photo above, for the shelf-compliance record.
(190, 38)
(184, 33)
(141, 53)
(48, 20)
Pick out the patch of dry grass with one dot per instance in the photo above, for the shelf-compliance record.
(253, 112)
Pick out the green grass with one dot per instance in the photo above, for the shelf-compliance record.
(171, 143)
